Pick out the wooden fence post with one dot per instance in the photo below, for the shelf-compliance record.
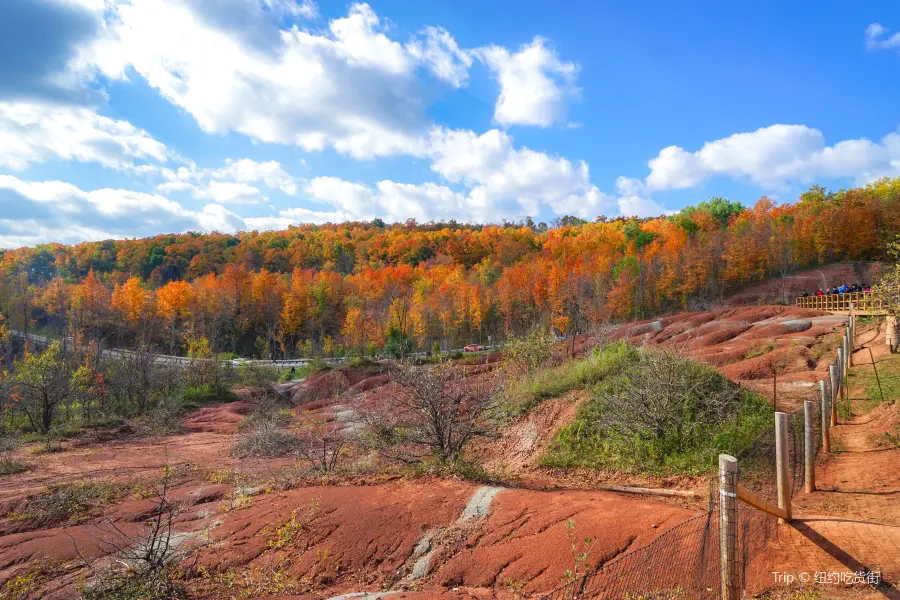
(845, 375)
(782, 466)
(728, 527)
(832, 394)
(826, 418)
(809, 448)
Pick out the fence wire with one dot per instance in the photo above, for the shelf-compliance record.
(683, 563)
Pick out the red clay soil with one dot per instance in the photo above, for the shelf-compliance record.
(525, 541)
(747, 343)
(331, 382)
(852, 522)
(522, 443)
(221, 418)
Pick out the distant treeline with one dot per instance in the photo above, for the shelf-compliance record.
(356, 287)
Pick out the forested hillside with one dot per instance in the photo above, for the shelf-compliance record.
(357, 287)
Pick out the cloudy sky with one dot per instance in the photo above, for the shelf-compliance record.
(125, 118)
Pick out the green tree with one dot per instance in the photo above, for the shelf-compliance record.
(5, 340)
(40, 384)
(397, 343)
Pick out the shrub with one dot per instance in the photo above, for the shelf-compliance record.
(267, 440)
(257, 375)
(267, 414)
(434, 414)
(206, 394)
(760, 350)
(165, 418)
(663, 413)
(69, 503)
(529, 352)
(11, 466)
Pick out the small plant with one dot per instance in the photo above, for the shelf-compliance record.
(300, 520)
(11, 466)
(321, 444)
(760, 350)
(894, 438)
(8, 464)
(516, 587)
(580, 550)
(20, 587)
(145, 566)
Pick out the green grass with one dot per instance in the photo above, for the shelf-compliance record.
(863, 385)
(589, 440)
(529, 391)
(11, 466)
(760, 350)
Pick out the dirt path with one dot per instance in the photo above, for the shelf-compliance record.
(852, 522)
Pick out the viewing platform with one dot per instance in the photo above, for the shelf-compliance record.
(861, 303)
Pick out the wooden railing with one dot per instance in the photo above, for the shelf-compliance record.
(863, 302)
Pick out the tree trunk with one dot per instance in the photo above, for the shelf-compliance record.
(46, 412)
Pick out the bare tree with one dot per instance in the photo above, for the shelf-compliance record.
(437, 410)
(322, 443)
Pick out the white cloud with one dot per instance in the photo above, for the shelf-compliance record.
(230, 192)
(635, 200)
(306, 9)
(442, 55)
(350, 87)
(32, 133)
(43, 211)
(230, 184)
(876, 41)
(507, 182)
(773, 157)
(247, 170)
(498, 182)
(534, 83)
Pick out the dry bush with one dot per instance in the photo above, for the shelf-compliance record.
(669, 394)
(322, 443)
(69, 503)
(144, 565)
(266, 440)
(436, 412)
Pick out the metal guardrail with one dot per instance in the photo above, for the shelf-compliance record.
(860, 302)
(235, 362)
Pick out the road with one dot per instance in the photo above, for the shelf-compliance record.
(183, 360)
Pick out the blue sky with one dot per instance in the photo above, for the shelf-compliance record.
(151, 116)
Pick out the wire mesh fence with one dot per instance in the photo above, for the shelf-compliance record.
(680, 564)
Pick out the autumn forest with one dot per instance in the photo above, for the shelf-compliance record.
(361, 288)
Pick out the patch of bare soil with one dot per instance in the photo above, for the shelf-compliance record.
(332, 382)
(220, 418)
(523, 441)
